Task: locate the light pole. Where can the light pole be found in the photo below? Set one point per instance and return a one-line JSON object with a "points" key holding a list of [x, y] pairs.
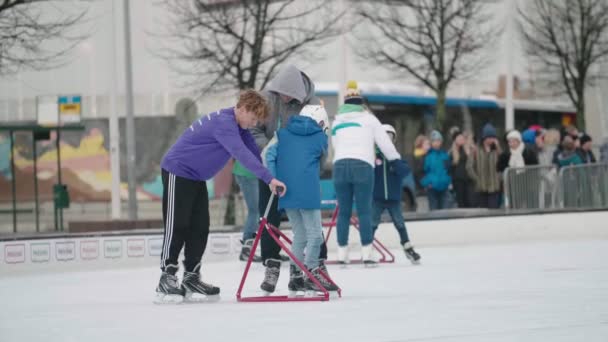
{"points": [[130, 129], [509, 107], [113, 120]]}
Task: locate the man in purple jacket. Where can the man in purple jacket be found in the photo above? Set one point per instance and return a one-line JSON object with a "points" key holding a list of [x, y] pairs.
{"points": [[200, 152]]}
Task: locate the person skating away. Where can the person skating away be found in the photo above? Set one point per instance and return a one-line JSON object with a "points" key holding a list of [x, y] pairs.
{"points": [[355, 133], [287, 93], [199, 153], [387, 195], [436, 173], [295, 157], [248, 183]]}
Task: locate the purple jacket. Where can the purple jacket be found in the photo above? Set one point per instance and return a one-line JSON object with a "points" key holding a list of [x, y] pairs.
{"points": [[206, 146]]}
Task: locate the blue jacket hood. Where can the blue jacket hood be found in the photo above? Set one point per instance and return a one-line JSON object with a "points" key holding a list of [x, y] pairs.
{"points": [[302, 125]]}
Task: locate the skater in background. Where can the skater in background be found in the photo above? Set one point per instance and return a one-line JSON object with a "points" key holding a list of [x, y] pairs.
{"points": [[199, 153], [355, 133], [387, 195], [249, 185], [287, 93], [296, 157], [436, 178]]}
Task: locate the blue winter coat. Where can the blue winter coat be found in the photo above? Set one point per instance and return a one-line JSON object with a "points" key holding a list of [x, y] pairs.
{"points": [[296, 159], [388, 178], [436, 166]]}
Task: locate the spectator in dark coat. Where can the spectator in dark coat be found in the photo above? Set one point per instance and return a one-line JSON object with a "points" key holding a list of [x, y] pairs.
{"points": [[586, 149]]}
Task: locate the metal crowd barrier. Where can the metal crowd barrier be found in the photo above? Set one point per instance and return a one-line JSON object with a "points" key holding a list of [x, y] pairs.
{"points": [[545, 187], [531, 187], [584, 186]]}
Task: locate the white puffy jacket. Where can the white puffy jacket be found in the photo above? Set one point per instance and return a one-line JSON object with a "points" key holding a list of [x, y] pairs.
{"points": [[356, 132]]}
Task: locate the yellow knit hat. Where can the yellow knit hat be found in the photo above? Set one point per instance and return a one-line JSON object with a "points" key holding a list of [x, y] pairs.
{"points": [[352, 95]]}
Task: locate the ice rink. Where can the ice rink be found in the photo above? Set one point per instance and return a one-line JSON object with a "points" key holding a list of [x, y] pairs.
{"points": [[528, 291]]}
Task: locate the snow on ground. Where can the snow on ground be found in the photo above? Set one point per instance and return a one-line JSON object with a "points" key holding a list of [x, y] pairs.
{"points": [[540, 291]]}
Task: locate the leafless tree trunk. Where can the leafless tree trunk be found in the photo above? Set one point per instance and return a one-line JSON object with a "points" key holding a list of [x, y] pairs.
{"points": [[28, 31], [435, 41], [240, 44], [566, 38]]}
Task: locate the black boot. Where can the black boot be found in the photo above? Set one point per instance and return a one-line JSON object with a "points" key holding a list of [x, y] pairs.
{"points": [[411, 254], [311, 286], [296, 279], [271, 276], [246, 250], [195, 289]]}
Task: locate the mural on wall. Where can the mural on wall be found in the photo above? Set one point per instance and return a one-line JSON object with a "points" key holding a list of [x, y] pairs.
{"points": [[85, 161]]}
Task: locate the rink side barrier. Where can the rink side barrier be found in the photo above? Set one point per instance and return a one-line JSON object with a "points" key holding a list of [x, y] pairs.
{"points": [[143, 248]]}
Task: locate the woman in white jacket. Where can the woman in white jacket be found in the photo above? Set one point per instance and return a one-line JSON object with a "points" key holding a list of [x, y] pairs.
{"points": [[355, 134]]}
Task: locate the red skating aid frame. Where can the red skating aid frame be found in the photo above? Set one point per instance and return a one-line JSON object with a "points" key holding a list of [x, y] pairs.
{"points": [[276, 235], [385, 254]]}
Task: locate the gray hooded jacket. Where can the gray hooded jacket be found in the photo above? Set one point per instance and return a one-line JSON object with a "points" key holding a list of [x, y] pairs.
{"points": [[291, 82]]}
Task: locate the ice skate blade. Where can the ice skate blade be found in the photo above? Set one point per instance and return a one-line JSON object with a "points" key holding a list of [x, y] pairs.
{"points": [[414, 262], [163, 299], [370, 264], [315, 293], [296, 294], [193, 297]]}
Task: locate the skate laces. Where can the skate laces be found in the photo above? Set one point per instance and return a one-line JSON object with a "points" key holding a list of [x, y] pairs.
{"points": [[171, 280]]}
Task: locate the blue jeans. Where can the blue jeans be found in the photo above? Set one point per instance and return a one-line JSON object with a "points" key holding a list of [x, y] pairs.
{"points": [[250, 188], [394, 209], [354, 178], [438, 199], [307, 234]]}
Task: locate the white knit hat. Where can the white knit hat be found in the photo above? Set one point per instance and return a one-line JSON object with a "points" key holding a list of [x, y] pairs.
{"points": [[514, 134]]}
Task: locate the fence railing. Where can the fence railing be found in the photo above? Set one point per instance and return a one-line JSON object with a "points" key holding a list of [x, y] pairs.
{"points": [[531, 187], [584, 186], [545, 187]]}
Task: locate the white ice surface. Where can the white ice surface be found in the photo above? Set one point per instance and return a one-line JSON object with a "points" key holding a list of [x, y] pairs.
{"points": [[541, 291]]}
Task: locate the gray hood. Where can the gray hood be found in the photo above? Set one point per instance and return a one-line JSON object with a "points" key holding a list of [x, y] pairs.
{"points": [[292, 82]]}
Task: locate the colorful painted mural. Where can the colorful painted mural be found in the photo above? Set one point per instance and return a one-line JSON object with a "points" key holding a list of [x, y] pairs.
{"points": [[85, 162]]}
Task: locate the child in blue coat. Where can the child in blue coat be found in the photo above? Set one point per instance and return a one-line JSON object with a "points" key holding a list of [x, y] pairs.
{"points": [[297, 155], [436, 178], [387, 195]]}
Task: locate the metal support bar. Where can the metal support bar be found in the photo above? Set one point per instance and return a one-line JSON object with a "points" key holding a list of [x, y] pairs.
{"points": [[13, 181]]}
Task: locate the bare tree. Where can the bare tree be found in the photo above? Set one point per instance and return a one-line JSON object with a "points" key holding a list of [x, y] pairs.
{"points": [[435, 41], [239, 44], [35, 34], [565, 38]]}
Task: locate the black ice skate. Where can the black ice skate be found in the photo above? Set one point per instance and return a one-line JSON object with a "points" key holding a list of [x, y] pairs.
{"points": [[411, 254], [271, 276], [168, 291], [311, 286], [296, 281], [195, 290], [246, 250]]}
